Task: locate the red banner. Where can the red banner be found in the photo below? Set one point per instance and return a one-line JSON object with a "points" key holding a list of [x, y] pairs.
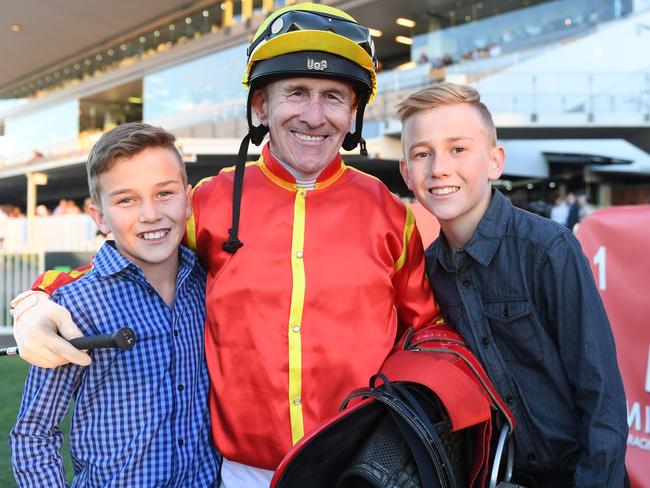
{"points": [[616, 241]]}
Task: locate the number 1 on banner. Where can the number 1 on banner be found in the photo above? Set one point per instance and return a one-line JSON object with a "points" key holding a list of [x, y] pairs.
{"points": [[600, 261]]}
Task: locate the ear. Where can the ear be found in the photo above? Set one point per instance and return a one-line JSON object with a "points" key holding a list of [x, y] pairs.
{"points": [[188, 202], [497, 163], [404, 170], [353, 121], [97, 215], [260, 106]]}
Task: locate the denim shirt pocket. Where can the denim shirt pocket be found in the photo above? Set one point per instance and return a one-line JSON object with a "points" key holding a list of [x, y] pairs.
{"points": [[513, 328]]}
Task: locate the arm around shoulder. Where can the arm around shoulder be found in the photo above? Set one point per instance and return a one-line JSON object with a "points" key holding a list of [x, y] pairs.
{"points": [[37, 320]]}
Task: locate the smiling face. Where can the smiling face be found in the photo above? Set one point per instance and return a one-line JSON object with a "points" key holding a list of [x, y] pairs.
{"points": [[145, 203], [308, 119], [449, 162]]}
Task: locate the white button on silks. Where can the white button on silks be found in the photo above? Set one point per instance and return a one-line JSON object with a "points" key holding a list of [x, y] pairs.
{"points": [[299, 254], [297, 401], [296, 328]]}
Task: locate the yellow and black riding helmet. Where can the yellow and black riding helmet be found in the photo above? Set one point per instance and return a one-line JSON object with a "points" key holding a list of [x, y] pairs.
{"points": [[305, 39], [310, 39]]}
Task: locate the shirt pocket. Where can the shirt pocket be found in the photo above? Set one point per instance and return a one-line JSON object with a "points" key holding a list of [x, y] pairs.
{"points": [[514, 329]]}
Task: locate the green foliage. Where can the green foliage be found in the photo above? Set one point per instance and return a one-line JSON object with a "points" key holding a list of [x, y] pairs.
{"points": [[12, 377]]}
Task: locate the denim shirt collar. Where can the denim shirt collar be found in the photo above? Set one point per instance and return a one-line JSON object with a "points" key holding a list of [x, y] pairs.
{"points": [[486, 238]]}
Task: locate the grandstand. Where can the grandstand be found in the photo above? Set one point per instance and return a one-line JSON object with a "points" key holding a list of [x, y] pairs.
{"points": [[567, 81]]}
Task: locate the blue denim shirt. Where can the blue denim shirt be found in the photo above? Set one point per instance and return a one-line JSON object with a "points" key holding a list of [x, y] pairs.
{"points": [[523, 296]]}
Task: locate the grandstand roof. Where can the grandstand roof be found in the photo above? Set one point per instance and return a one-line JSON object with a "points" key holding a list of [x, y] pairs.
{"points": [[54, 32]]}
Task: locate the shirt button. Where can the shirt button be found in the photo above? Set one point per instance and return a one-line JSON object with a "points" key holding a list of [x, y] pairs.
{"points": [[467, 283], [303, 193], [531, 456], [181, 387], [151, 291], [510, 400], [181, 442], [485, 341], [296, 328], [176, 333], [299, 254], [297, 401]]}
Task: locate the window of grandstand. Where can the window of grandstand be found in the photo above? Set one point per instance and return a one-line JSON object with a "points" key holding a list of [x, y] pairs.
{"points": [[104, 110], [469, 34], [197, 91], [55, 128]]}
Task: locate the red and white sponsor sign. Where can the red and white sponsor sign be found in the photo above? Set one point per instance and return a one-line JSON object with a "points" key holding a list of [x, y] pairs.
{"points": [[616, 241]]}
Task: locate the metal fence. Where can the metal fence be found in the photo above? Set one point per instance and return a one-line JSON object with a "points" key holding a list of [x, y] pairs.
{"points": [[17, 272]]}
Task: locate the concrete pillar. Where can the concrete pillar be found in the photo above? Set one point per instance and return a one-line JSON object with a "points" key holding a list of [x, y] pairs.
{"points": [[33, 180], [605, 195]]}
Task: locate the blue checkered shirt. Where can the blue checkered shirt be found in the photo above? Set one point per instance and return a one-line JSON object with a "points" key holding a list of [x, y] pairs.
{"points": [[141, 417]]}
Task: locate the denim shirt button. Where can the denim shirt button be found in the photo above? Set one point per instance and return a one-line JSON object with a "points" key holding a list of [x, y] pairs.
{"points": [[531, 456], [467, 283], [485, 341], [509, 400]]}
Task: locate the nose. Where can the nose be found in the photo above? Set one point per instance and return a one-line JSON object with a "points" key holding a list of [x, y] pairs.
{"points": [[313, 112], [149, 211], [439, 166]]}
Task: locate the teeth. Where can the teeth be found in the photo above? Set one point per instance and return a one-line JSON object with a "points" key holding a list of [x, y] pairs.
{"points": [[307, 137], [444, 191], [154, 235]]}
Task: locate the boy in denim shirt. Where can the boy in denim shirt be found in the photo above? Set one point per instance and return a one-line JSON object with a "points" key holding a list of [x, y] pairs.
{"points": [[519, 289]]}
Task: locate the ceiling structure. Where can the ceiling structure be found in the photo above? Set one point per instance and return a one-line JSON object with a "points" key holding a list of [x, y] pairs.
{"points": [[39, 36], [52, 32]]}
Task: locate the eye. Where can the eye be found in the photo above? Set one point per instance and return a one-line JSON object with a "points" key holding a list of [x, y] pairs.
{"points": [[296, 94], [165, 193], [125, 201], [458, 149], [421, 155]]}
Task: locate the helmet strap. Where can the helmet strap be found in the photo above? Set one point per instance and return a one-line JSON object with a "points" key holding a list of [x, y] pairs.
{"points": [[352, 139], [233, 243], [258, 132]]}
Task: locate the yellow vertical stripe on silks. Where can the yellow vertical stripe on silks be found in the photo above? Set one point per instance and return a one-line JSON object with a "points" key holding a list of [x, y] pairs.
{"points": [[190, 233], [295, 318], [406, 238], [190, 225]]}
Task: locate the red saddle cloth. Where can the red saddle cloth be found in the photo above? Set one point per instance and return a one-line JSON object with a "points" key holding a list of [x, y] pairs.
{"points": [[434, 363]]}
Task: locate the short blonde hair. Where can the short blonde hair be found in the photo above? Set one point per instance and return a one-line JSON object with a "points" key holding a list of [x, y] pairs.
{"points": [[447, 93]]}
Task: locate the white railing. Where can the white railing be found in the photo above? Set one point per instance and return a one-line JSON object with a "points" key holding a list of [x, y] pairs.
{"points": [[54, 233], [17, 272]]}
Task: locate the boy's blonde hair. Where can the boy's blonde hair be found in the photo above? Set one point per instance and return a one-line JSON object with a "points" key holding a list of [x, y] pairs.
{"points": [[447, 93], [126, 140]]}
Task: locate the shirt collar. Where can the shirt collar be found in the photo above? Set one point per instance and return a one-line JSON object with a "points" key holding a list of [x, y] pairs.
{"points": [[108, 261], [277, 173], [486, 238]]}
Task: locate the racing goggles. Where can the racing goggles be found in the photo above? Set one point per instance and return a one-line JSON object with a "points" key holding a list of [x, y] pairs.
{"points": [[297, 20]]}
